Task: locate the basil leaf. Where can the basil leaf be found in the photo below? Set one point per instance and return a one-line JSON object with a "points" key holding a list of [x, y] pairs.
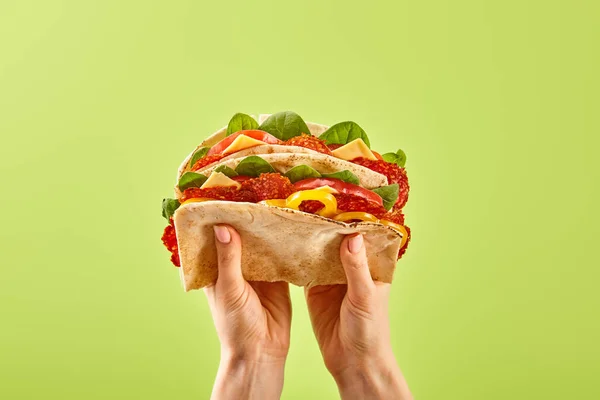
{"points": [[168, 208], [389, 194], [253, 166], [240, 122], [398, 158], [344, 133], [285, 125], [345, 176], [224, 169], [190, 180], [300, 172], [198, 154]]}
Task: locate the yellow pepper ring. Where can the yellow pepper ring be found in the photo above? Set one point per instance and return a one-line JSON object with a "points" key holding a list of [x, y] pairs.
{"points": [[363, 216], [398, 228], [327, 199], [195, 200]]}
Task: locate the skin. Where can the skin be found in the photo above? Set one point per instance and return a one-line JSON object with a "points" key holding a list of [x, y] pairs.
{"points": [[350, 322]]}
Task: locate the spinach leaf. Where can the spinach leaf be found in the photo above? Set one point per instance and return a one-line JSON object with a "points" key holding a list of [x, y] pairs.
{"points": [[389, 194], [190, 180], [345, 176], [253, 166], [240, 122], [198, 154], [168, 208], [344, 133], [300, 172], [224, 169], [285, 125], [398, 158]]}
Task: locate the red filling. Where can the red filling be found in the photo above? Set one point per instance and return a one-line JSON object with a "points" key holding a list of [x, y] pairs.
{"points": [[206, 161], [309, 142], [269, 187], [394, 174], [169, 239], [275, 186]]}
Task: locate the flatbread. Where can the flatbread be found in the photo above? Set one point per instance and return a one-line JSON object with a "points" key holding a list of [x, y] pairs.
{"points": [[277, 244], [325, 164]]}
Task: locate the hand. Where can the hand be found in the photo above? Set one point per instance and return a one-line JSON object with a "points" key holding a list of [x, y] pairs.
{"points": [[253, 322], [352, 328]]}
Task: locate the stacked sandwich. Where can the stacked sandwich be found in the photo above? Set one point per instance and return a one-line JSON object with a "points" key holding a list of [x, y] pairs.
{"points": [[292, 189]]}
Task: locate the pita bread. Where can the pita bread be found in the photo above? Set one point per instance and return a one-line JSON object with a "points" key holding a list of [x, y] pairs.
{"points": [[283, 162], [277, 244]]}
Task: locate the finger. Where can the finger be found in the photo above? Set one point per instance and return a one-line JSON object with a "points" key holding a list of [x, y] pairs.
{"points": [[229, 255], [354, 260]]}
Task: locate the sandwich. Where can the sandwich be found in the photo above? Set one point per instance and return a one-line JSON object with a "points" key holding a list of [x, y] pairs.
{"points": [[292, 190]]}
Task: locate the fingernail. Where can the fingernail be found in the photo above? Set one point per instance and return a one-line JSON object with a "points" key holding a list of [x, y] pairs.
{"points": [[222, 234], [355, 243]]}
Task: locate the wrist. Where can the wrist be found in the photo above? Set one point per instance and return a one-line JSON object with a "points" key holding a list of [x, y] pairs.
{"points": [[249, 377], [236, 361], [253, 356], [372, 378]]}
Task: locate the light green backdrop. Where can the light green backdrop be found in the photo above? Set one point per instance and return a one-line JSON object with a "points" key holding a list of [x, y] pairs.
{"points": [[495, 104]]}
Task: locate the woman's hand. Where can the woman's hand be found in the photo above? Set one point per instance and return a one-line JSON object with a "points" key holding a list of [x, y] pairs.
{"points": [[253, 322], [352, 328]]}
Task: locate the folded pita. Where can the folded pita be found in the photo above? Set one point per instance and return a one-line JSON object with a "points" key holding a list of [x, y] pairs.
{"points": [[277, 244]]}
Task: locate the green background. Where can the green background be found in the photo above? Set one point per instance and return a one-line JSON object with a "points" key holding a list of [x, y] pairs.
{"points": [[495, 104]]}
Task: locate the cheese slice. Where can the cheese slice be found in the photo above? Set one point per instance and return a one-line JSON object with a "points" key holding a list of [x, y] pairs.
{"points": [[219, 179], [242, 142], [355, 149]]}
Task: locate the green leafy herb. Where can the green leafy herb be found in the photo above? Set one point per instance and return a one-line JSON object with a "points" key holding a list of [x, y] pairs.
{"points": [[398, 158], [389, 194], [300, 172], [224, 169], [253, 166], [198, 154], [190, 180], [345, 176], [285, 125], [168, 208], [344, 133], [240, 122]]}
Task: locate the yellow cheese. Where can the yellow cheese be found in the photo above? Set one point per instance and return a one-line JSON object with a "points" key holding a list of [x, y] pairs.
{"points": [[219, 179], [240, 143], [355, 149]]}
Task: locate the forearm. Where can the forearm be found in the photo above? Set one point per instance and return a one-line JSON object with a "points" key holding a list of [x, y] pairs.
{"points": [[373, 380], [240, 378]]}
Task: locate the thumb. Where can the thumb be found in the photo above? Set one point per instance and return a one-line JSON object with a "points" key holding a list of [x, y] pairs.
{"points": [[229, 255], [354, 260]]}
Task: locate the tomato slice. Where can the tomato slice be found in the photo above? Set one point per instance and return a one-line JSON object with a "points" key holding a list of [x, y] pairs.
{"points": [[377, 155], [340, 186], [254, 134]]}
